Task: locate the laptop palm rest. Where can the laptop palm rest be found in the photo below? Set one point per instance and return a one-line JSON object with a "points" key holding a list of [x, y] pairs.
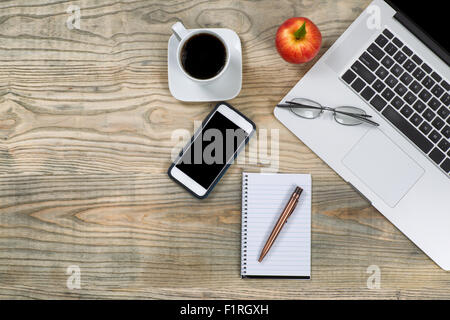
{"points": [[382, 166]]}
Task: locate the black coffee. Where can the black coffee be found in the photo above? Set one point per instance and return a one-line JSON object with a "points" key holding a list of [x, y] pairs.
{"points": [[203, 56]]}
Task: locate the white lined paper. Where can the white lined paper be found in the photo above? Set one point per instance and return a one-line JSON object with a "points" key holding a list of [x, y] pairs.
{"points": [[264, 197]]}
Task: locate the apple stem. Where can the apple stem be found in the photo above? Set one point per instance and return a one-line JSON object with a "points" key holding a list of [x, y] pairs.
{"points": [[301, 32]]}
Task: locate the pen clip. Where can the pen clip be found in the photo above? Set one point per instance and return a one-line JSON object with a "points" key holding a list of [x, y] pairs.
{"points": [[297, 193], [292, 210], [289, 214]]}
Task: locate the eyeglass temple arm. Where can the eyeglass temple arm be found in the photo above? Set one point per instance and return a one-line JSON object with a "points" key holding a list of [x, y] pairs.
{"points": [[292, 104], [352, 114], [359, 117]]}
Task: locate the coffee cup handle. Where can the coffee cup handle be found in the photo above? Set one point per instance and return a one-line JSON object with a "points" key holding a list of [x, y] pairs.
{"points": [[179, 30]]}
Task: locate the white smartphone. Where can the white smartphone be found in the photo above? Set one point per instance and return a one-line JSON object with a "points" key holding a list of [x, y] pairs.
{"points": [[212, 149]]}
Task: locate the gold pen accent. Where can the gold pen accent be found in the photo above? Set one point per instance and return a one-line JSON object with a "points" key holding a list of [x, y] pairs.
{"points": [[290, 207]]}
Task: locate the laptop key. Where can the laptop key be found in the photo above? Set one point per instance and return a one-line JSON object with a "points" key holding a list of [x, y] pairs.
{"points": [[378, 85], [400, 57], [445, 99], [428, 114], [387, 62], [426, 68], [382, 72], [407, 129], [435, 136], [438, 123], [437, 90], [444, 145], [363, 72], [436, 77], [415, 87], [446, 165], [434, 103], [400, 89], [397, 103], [390, 49], [378, 103], [409, 65], [443, 112], [358, 84], [397, 70], [445, 85], [416, 59], [418, 74], [416, 119], [425, 128], [388, 34], [437, 156], [381, 40], [370, 62], [410, 98], [375, 51], [397, 42], [367, 93], [349, 76], [407, 51], [406, 78], [424, 95], [428, 82], [446, 132], [388, 94], [419, 106], [391, 81], [406, 111]]}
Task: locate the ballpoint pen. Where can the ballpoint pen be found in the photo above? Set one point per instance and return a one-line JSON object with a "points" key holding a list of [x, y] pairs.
{"points": [[290, 207]]}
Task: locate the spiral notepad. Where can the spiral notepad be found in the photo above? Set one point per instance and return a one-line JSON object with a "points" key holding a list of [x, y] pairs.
{"points": [[264, 197]]}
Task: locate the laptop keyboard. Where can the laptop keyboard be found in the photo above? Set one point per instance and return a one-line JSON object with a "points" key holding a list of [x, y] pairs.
{"points": [[407, 92]]}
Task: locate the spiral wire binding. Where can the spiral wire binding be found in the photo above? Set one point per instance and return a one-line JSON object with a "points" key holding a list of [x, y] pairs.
{"points": [[244, 226]]}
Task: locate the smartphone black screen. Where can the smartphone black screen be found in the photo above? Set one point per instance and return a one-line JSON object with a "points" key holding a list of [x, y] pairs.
{"points": [[212, 149]]}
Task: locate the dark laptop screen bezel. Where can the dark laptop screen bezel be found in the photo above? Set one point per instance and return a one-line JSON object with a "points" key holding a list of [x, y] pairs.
{"points": [[420, 33]]}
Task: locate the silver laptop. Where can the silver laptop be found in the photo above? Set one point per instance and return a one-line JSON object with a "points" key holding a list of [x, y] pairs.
{"points": [[392, 65]]}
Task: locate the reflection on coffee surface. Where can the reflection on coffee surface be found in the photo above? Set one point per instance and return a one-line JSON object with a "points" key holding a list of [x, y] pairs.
{"points": [[203, 56]]}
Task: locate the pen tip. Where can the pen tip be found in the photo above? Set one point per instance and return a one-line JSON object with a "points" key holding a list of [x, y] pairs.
{"points": [[298, 190], [261, 257]]}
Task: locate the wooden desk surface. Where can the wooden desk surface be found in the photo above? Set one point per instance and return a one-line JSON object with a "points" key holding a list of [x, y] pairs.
{"points": [[86, 124]]}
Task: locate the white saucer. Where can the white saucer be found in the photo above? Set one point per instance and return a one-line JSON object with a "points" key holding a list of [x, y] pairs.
{"points": [[226, 87]]}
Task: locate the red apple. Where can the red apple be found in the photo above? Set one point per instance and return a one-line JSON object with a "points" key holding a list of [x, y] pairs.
{"points": [[298, 40]]}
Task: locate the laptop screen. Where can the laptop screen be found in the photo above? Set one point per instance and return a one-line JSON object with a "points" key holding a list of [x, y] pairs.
{"points": [[431, 18]]}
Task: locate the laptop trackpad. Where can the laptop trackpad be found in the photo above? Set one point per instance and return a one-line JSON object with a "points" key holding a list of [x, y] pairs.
{"points": [[381, 165]]}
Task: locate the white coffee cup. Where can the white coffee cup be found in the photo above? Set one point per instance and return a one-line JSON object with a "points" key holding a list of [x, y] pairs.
{"points": [[183, 36]]}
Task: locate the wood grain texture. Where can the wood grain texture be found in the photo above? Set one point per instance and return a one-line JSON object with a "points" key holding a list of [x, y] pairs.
{"points": [[86, 124]]}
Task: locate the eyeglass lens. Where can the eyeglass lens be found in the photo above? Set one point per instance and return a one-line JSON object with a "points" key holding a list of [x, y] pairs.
{"points": [[301, 108]]}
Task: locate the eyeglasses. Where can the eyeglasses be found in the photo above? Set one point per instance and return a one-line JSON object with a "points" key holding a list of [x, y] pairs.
{"points": [[308, 109]]}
